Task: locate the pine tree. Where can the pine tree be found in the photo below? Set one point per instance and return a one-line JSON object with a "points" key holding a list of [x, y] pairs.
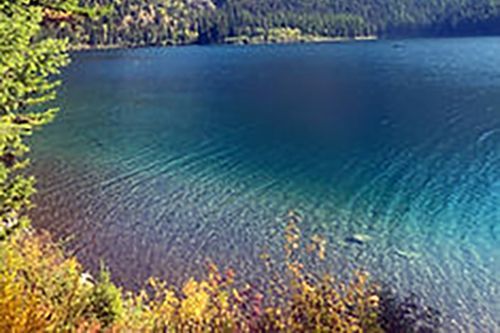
{"points": [[28, 65]]}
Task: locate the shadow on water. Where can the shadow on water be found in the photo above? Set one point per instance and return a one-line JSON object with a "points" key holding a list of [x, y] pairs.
{"points": [[408, 314]]}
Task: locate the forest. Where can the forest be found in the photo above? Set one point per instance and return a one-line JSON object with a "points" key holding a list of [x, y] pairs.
{"points": [[124, 23]]}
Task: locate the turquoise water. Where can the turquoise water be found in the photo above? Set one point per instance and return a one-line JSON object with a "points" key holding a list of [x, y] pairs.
{"points": [[163, 158]]}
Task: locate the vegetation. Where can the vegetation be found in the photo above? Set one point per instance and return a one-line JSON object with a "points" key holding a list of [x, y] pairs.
{"points": [[43, 290], [167, 22], [40, 289], [275, 35], [350, 18], [132, 23], [27, 67]]}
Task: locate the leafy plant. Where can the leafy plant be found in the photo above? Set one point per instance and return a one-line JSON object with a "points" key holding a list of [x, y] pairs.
{"points": [[27, 67], [40, 289], [43, 290], [106, 304]]}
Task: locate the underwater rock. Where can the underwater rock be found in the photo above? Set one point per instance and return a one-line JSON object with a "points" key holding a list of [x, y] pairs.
{"points": [[358, 239], [407, 254], [408, 314]]}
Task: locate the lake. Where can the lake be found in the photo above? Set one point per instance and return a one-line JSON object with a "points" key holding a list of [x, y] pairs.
{"points": [[164, 157]]}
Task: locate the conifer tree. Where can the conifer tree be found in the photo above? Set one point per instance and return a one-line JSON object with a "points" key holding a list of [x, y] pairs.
{"points": [[28, 67]]}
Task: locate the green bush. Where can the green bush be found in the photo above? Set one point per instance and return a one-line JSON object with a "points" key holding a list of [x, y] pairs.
{"points": [[106, 304]]}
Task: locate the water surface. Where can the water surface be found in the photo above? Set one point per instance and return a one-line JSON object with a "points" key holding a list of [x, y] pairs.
{"points": [[162, 158]]}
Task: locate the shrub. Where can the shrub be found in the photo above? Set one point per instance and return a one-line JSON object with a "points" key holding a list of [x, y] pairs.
{"points": [[318, 304], [42, 290], [106, 304], [299, 303]]}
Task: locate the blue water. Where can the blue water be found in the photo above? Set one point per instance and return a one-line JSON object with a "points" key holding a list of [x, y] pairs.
{"points": [[162, 158]]}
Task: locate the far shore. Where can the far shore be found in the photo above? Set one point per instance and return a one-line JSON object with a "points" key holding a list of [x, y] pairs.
{"points": [[312, 39]]}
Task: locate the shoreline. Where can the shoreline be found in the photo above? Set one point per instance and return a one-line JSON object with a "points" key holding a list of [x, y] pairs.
{"points": [[83, 48], [313, 40]]}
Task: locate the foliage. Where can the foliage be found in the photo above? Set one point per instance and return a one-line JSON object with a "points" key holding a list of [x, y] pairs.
{"points": [[106, 304], [299, 303], [351, 18], [27, 65], [275, 35], [166, 22], [318, 304], [41, 289], [133, 23]]}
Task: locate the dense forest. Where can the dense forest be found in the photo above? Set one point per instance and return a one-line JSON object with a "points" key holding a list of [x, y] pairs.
{"points": [[170, 22]]}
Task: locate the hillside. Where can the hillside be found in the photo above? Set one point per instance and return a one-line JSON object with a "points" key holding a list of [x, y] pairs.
{"points": [[167, 22]]}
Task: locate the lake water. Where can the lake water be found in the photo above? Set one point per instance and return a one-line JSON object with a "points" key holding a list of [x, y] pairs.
{"points": [[162, 158]]}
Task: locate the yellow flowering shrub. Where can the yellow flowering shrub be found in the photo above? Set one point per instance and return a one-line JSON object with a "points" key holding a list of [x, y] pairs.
{"points": [[41, 290], [299, 303], [313, 304], [202, 306]]}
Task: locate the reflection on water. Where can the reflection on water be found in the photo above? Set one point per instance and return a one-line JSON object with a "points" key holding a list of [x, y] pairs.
{"points": [[165, 157]]}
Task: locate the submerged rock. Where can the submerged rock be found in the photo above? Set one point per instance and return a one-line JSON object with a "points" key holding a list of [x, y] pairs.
{"points": [[358, 239], [408, 313], [407, 254]]}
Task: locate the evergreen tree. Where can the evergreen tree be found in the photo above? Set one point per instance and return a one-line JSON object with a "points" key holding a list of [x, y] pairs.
{"points": [[165, 22], [27, 67]]}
